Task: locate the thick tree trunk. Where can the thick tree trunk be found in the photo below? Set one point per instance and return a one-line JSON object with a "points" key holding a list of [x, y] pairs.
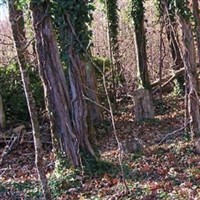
{"points": [[17, 25], [54, 83], [113, 30], [95, 112], [170, 26], [77, 83], [190, 66], [195, 6], [2, 114], [143, 108], [140, 44]]}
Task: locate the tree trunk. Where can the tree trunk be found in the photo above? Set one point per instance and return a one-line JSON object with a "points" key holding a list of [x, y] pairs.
{"points": [[195, 6], [191, 73], [113, 31], [54, 83], [170, 26], [2, 114], [17, 25], [143, 108], [77, 82], [140, 43], [95, 112]]}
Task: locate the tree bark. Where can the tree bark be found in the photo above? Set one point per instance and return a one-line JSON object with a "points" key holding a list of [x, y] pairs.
{"points": [[113, 44], [17, 25], [191, 73], [77, 81], [140, 44], [143, 108], [166, 80], [95, 112], [170, 26], [2, 114], [195, 6], [54, 83]]}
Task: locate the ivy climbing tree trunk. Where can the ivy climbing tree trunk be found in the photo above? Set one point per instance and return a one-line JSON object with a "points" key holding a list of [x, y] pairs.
{"points": [[54, 83], [74, 39], [17, 25], [191, 73], [195, 6], [140, 43], [113, 29], [77, 83]]}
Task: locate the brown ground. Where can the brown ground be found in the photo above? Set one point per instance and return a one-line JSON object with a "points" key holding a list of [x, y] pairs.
{"points": [[168, 171]]}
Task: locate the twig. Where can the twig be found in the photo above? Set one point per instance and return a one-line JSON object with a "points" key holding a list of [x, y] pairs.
{"points": [[173, 133], [115, 131], [94, 102], [8, 147], [4, 170]]}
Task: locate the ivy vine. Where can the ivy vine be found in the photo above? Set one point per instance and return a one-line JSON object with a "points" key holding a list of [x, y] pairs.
{"points": [[80, 13], [182, 8], [113, 20], [137, 12], [179, 7]]}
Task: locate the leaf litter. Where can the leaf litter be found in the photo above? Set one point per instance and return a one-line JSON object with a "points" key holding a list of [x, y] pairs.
{"points": [[167, 171]]}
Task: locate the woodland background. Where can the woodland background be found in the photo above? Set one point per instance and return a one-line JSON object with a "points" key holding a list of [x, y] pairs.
{"points": [[100, 100]]}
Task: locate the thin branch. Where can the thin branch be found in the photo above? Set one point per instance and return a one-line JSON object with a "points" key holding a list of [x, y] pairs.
{"points": [[94, 102], [4, 170], [173, 133], [115, 132]]}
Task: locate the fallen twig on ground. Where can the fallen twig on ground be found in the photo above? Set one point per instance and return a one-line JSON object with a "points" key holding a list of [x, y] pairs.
{"points": [[173, 133]]}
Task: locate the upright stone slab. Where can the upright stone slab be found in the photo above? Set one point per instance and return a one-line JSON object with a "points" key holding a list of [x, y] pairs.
{"points": [[2, 114], [143, 108]]}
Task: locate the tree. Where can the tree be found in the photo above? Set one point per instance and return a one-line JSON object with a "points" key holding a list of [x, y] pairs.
{"points": [[65, 103], [54, 83], [189, 59], [137, 14], [113, 29], [74, 39], [77, 73], [95, 112], [171, 30], [2, 114], [195, 6], [18, 31]]}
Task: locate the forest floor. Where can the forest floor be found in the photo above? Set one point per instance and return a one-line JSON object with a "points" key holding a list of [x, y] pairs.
{"points": [[167, 171]]}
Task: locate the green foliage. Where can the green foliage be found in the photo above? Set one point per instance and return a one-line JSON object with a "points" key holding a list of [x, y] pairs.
{"points": [[30, 190], [79, 13], [12, 92], [61, 182], [137, 12], [93, 167], [113, 20], [64, 177], [160, 5], [101, 62], [180, 7], [113, 30]]}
